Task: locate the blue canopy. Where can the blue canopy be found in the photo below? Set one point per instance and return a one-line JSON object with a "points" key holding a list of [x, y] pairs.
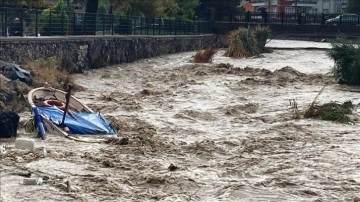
{"points": [[78, 122]]}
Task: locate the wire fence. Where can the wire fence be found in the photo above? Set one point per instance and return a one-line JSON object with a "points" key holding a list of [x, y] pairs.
{"points": [[33, 22]]}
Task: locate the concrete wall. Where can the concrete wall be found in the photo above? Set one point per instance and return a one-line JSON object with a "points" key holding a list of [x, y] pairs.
{"points": [[88, 52]]}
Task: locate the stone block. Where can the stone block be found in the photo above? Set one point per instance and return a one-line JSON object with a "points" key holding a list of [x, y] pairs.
{"points": [[24, 144]]}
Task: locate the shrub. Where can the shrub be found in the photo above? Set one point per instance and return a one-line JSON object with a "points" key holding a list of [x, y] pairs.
{"points": [[205, 56], [241, 43], [261, 35], [54, 20], [247, 42], [49, 71], [346, 55], [331, 111]]}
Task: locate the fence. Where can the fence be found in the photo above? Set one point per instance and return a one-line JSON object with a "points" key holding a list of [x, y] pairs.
{"points": [[282, 18], [33, 22]]}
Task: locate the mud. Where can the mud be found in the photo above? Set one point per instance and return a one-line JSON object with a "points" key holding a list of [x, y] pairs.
{"points": [[200, 132]]}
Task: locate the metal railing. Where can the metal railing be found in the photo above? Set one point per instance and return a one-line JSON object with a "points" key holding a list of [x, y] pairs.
{"points": [[33, 22], [284, 18]]}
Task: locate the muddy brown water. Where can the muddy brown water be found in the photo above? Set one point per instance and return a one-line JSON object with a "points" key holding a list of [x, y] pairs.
{"points": [[201, 132]]}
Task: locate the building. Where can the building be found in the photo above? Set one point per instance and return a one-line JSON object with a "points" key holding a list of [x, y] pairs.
{"points": [[308, 6]]}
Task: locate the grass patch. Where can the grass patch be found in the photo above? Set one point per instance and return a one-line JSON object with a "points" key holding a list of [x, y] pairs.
{"points": [[49, 71], [205, 56], [52, 72], [331, 111]]}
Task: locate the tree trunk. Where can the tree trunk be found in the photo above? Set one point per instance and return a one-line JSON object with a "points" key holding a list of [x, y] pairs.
{"points": [[90, 17]]}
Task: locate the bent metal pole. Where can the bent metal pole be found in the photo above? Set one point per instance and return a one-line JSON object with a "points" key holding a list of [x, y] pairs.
{"points": [[67, 97]]}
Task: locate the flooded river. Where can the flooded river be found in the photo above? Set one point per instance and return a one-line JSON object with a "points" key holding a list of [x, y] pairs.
{"points": [[203, 132]]}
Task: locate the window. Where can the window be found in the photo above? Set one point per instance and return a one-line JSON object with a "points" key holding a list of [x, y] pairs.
{"points": [[314, 10], [289, 10]]}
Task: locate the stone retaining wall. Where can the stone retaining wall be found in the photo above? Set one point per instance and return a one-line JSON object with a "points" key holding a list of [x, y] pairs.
{"points": [[88, 52]]}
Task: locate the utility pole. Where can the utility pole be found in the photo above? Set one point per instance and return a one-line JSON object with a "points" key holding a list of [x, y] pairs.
{"points": [[296, 10]]}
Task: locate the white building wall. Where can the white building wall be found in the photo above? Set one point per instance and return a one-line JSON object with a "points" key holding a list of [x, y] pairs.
{"points": [[331, 6], [321, 6]]}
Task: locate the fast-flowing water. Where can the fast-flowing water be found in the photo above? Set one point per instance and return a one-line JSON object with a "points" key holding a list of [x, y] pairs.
{"points": [[223, 131]]}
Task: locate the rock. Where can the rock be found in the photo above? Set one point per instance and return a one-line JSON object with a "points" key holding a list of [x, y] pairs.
{"points": [[33, 181], [14, 72], [24, 144], [6, 95], [172, 167], [3, 78], [9, 122], [56, 155]]}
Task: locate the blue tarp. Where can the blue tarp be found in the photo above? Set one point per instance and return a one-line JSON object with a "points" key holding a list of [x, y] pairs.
{"points": [[79, 122]]}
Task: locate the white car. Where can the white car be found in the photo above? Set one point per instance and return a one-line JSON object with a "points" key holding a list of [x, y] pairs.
{"points": [[344, 19]]}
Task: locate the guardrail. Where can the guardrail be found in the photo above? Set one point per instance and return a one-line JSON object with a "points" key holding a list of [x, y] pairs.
{"points": [[33, 22]]}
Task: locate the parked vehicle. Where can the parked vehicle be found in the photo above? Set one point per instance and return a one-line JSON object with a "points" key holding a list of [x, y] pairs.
{"points": [[344, 19]]}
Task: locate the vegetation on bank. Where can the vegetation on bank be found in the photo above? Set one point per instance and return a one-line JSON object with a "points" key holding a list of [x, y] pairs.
{"points": [[205, 56], [44, 72], [346, 70], [247, 42], [346, 55]]}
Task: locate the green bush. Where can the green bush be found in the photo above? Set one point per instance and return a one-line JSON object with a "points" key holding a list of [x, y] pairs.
{"points": [[331, 111], [346, 55], [261, 35], [247, 42], [54, 21]]}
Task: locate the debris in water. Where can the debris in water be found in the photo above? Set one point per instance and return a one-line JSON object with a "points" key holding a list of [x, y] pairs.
{"points": [[173, 167]]}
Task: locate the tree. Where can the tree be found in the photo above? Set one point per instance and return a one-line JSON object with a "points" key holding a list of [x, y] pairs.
{"points": [[187, 8], [353, 6], [184, 9], [218, 9], [346, 54], [90, 16], [54, 20]]}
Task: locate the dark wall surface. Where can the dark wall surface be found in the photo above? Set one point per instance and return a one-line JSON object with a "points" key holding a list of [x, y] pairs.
{"points": [[89, 52]]}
